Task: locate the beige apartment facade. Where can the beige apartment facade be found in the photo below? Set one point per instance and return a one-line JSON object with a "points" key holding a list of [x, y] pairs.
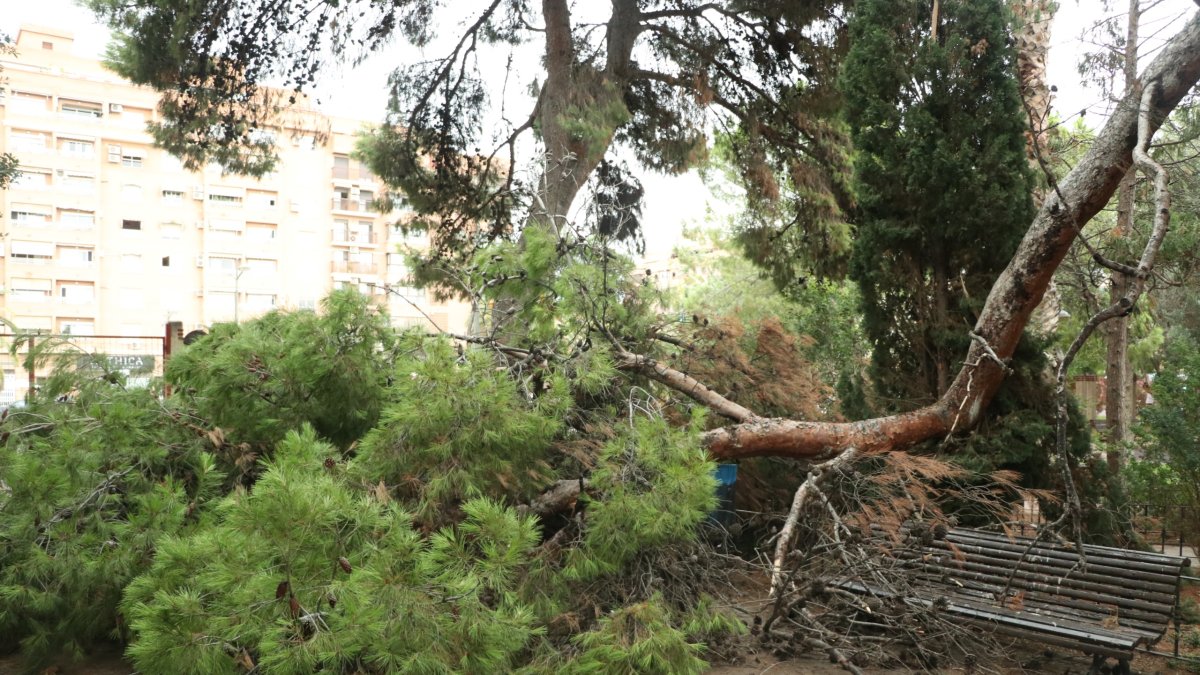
{"points": [[104, 234]]}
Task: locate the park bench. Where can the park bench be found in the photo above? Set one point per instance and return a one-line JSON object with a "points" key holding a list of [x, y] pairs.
{"points": [[1123, 600]]}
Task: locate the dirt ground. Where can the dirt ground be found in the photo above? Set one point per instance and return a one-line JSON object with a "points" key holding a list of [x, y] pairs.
{"points": [[1025, 660], [1058, 664]]}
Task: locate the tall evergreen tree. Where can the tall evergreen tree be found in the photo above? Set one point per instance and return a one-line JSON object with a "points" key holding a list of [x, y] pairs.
{"points": [[944, 190], [943, 184]]}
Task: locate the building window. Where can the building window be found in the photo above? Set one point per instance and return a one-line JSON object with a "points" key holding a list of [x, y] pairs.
{"points": [[32, 252], [31, 179], [131, 161], [74, 148], [222, 266], [166, 261], [341, 166], [260, 302], [171, 230], [89, 111], [131, 262], [28, 141], [30, 218], [30, 289], [262, 200], [77, 293], [131, 193], [83, 327], [226, 224], [76, 220], [79, 182], [225, 199], [131, 224], [260, 233], [76, 256], [29, 103], [172, 196]]}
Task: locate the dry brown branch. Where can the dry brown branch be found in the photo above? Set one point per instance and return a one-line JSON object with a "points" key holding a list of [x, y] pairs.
{"points": [[810, 487]]}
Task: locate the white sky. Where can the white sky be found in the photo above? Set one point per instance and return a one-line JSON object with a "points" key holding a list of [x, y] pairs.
{"points": [[672, 202]]}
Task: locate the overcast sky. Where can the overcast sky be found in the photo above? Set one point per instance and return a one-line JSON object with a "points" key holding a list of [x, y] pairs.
{"points": [[671, 202]]}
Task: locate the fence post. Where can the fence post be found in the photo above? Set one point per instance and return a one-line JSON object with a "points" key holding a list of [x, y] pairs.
{"points": [[172, 341], [32, 368]]}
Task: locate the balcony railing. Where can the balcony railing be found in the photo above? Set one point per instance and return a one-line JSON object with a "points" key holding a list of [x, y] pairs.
{"points": [[356, 205], [341, 236], [358, 174], [349, 267]]}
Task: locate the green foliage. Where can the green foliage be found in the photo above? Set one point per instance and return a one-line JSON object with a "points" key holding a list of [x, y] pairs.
{"points": [[90, 485], [304, 573], [259, 379], [656, 486], [1170, 427], [720, 281], [941, 178], [637, 640], [385, 531], [457, 427], [944, 198]]}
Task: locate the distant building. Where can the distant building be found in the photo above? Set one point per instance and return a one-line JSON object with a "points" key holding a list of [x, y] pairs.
{"points": [[104, 234]]}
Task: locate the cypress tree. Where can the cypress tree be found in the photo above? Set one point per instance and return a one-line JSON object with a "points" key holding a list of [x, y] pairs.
{"points": [[944, 197], [942, 180]]}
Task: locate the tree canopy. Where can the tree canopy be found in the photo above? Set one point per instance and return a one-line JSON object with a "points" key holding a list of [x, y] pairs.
{"points": [[646, 77]]}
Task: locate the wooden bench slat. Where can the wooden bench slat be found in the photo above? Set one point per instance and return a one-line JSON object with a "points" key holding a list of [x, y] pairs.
{"points": [[1122, 600], [1070, 633], [1096, 615], [1097, 572], [1024, 577], [1145, 562]]}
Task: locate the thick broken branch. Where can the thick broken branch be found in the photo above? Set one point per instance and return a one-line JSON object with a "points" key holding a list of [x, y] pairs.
{"points": [[811, 486], [1016, 292], [684, 384], [559, 497]]}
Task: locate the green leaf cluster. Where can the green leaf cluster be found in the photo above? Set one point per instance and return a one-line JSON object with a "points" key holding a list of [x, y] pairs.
{"points": [[259, 379], [656, 487], [1170, 427], [89, 486], [637, 640], [303, 573], [457, 427]]}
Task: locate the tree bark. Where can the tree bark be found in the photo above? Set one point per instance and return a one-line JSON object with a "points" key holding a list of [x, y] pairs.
{"points": [[573, 89], [1017, 291], [1117, 403], [1032, 34]]}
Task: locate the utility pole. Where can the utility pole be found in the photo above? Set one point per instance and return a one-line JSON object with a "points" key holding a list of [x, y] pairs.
{"points": [[237, 292]]}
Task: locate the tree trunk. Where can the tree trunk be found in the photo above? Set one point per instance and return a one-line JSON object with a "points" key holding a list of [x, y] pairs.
{"points": [[1015, 294], [1118, 404], [578, 95], [1032, 35], [941, 322]]}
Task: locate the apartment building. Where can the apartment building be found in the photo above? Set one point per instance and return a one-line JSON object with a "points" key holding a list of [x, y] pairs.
{"points": [[104, 234]]}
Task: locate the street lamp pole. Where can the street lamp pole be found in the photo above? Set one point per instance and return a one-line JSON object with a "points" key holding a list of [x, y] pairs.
{"points": [[237, 293]]}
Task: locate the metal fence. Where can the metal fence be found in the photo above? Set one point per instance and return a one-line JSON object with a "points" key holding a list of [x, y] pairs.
{"points": [[1169, 528], [138, 357]]}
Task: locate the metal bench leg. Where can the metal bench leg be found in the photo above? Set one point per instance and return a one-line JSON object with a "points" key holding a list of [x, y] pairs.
{"points": [[1097, 665], [1123, 667]]}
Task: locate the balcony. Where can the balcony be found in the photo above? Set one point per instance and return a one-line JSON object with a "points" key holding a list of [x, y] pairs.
{"points": [[358, 174], [354, 237], [350, 267]]}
